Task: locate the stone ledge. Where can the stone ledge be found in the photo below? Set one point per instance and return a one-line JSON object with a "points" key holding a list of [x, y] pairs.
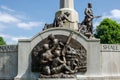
{"points": [[57, 79], [98, 77]]}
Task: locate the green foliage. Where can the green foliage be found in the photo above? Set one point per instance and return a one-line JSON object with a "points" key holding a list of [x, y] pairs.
{"points": [[108, 31], [2, 42]]}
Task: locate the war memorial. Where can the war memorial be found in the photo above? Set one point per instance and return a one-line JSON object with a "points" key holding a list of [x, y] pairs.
{"points": [[65, 50]]}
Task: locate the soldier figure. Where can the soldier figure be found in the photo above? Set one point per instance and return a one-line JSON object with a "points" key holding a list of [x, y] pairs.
{"points": [[46, 59], [59, 66], [88, 19]]}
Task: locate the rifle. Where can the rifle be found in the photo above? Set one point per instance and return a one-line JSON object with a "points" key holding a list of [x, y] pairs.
{"points": [[97, 16], [66, 44]]}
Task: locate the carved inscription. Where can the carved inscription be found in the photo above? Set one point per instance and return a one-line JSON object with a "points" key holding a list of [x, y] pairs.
{"points": [[8, 48], [110, 47]]}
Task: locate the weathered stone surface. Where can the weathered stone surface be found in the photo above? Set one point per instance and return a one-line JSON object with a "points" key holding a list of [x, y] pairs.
{"points": [[8, 61], [8, 48], [58, 79], [67, 4], [110, 59]]}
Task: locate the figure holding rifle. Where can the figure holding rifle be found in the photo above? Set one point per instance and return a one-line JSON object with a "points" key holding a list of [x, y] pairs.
{"points": [[88, 20]]}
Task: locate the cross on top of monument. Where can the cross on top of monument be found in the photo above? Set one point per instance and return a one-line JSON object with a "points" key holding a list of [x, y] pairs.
{"points": [[67, 4]]}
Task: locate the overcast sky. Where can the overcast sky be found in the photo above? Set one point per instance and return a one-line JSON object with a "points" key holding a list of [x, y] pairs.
{"points": [[25, 18]]}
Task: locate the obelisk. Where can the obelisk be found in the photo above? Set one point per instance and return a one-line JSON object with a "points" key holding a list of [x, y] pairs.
{"points": [[68, 6]]}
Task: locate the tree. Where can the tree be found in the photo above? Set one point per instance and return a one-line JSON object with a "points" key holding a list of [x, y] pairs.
{"points": [[2, 42], [108, 31]]}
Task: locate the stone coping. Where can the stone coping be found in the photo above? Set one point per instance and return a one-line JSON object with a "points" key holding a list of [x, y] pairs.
{"points": [[61, 29]]}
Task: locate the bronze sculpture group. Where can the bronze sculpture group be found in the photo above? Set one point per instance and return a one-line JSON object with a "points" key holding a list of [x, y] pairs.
{"points": [[59, 21], [56, 58], [85, 27], [53, 60]]}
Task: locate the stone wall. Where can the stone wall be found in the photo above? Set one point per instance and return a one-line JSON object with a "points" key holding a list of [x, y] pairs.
{"points": [[110, 62], [110, 59], [8, 62]]}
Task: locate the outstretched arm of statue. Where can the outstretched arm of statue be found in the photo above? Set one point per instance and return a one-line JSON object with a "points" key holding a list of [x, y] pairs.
{"points": [[64, 59], [68, 19]]}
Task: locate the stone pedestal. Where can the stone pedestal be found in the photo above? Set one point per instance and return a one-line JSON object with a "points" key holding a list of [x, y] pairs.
{"points": [[68, 6], [73, 17]]}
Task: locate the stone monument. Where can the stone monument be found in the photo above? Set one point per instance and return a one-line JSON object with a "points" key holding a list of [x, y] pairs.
{"points": [[60, 50], [64, 50]]}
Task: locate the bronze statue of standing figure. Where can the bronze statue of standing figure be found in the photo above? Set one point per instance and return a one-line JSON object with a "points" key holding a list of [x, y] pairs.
{"points": [[86, 27], [88, 19]]}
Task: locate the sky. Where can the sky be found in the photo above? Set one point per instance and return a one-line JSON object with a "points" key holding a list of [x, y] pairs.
{"points": [[22, 19]]}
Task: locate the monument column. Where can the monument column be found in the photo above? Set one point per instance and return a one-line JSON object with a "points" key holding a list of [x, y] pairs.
{"points": [[68, 6]]}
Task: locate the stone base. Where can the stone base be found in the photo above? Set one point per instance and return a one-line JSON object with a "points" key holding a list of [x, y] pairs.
{"points": [[98, 77], [78, 77], [57, 76], [85, 78], [57, 79]]}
